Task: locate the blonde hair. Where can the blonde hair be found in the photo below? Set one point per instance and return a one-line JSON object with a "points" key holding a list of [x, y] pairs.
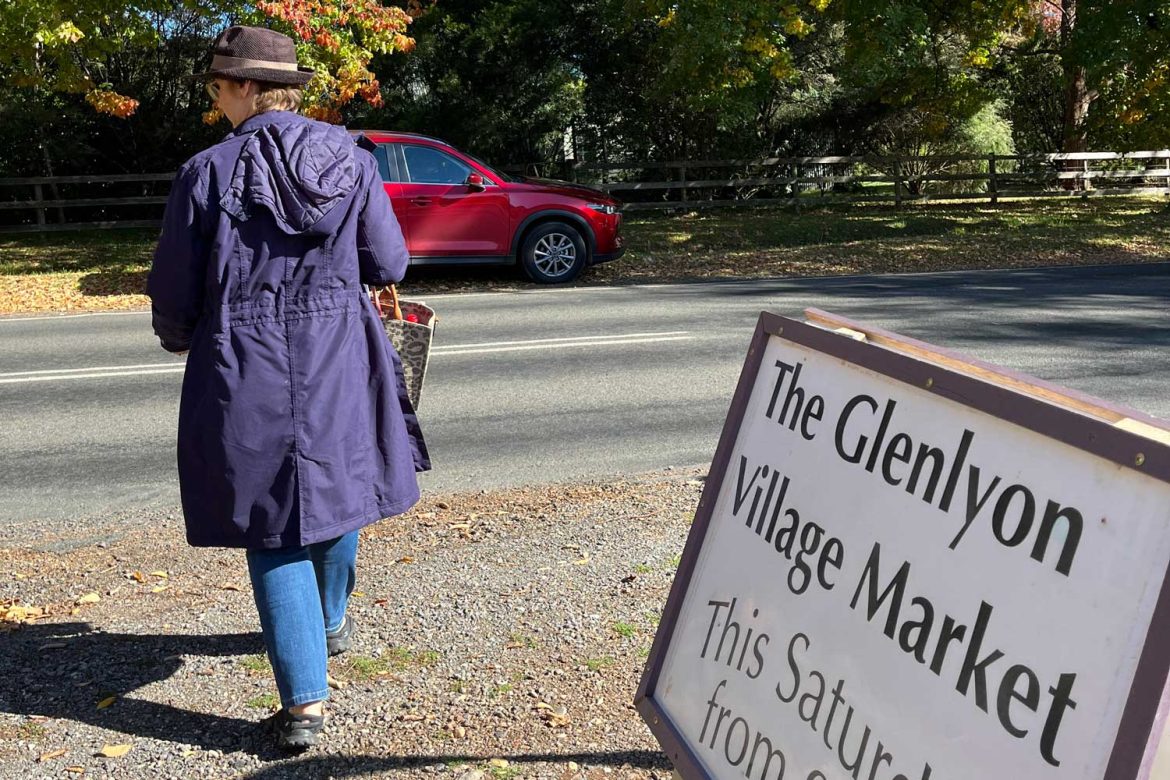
{"points": [[277, 97]]}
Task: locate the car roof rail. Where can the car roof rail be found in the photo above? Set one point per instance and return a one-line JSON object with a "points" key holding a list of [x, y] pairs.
{"points": [[401, 133]]}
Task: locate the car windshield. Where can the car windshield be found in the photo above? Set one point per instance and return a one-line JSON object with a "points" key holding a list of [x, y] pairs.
{"points": [[493, 171]]}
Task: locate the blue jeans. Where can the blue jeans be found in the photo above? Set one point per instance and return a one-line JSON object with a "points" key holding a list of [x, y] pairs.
{"points": [[301, 593]]}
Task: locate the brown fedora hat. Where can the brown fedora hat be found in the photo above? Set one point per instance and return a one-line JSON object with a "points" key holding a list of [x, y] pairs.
{"points": [[256, 53]]}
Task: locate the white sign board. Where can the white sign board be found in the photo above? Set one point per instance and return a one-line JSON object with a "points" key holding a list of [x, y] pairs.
{"points": [[888, 580]]}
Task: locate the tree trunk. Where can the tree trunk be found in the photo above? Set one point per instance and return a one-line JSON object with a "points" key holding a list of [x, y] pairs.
{"points": [[1077, 97]]}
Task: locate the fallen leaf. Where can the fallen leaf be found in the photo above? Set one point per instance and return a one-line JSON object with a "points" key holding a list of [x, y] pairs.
{"points": [[406, 559], [442, 505], [52, 754], [137, 576], [358, 593], [106, 702], [159, 588], [583, 561], [89, 598], [115, 751], [11, 612], [333, 682], [499, 763], [77, 770], [162, 575], [229, 586], [188, 753], [556, 717], [52, 646]]}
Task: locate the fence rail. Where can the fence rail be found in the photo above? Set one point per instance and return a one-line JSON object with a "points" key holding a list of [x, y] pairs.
{"points": [[128, 200]]}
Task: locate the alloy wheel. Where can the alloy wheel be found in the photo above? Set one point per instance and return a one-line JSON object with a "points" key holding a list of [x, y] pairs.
{"points": [[555, 254]]}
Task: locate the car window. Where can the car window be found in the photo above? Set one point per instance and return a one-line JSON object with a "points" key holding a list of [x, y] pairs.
{"points": [[382, 155], [427, 165], [493, 171]]}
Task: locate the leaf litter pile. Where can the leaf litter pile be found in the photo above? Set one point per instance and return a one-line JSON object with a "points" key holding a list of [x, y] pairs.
{"points": [[500, 634], [106, 270]]}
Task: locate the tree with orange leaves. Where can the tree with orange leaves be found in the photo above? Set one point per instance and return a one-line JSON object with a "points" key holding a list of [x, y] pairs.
{"points": [[59, 45]]}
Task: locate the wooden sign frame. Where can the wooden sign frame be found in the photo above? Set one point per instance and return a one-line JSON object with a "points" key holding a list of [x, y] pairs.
{"points": [[1114, 433]]}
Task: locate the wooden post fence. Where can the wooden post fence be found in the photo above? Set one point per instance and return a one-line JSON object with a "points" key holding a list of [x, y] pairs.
{"points": [[992, 184], [1027, 176]]}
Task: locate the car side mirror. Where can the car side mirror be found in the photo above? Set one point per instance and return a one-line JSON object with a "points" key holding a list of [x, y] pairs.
{"points": [[475, 182]]}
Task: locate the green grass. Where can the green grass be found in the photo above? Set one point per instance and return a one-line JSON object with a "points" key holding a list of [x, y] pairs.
{"points": [[768, 241], [31, 732], [522, 640], [363, 667], [427, 658], [395, 659], [624, 629], [257, 664], [88, 251], [642, 568], [265, 701], [93, 270], [597, 664]]}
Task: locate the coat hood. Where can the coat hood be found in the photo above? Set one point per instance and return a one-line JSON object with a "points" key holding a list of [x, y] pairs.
{"points": [[297, 169]]}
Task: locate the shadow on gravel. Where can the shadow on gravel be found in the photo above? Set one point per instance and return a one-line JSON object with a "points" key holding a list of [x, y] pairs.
{"points": [[348, 766], [64, 670]]}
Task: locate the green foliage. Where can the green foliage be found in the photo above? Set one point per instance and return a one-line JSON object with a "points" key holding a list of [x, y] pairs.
{"points": [[1033, 82], [592, 80], [916, 134], [496, 78], [1124, 46], [923, 66]]}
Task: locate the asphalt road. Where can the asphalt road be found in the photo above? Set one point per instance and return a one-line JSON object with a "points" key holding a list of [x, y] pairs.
{"points": [[561, 384]]}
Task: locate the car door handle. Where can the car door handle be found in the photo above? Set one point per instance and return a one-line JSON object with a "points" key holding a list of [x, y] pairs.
{"points": [[421, 201]]}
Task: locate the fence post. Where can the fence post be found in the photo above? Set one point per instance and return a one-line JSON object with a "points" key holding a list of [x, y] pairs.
{"points": [[898, 184], [992, 185], [39, 194], [1086, 179], [1168, 175], [682, 180], [796, 175]]}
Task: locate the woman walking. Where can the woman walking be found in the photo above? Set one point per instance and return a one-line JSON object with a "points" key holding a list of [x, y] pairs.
{"points": [[294, 426]]}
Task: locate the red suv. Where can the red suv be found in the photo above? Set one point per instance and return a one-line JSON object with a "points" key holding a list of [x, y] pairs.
{"points": [[454, 208]]}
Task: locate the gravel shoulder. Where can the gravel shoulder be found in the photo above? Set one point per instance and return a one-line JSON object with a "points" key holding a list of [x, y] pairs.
{"points": [[501, 635]]}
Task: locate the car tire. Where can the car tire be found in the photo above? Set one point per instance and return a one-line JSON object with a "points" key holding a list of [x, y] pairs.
{"points": [[553, 253]]}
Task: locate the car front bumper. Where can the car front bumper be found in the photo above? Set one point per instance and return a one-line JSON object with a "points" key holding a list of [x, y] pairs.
{"points": [[610, 256]]}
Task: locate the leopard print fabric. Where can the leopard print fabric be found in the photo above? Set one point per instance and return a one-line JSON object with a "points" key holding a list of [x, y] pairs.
{"points": [[412, 341]]}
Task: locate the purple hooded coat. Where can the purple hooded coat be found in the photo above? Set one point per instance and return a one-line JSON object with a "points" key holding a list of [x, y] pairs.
{"points": [[294, 425]]}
